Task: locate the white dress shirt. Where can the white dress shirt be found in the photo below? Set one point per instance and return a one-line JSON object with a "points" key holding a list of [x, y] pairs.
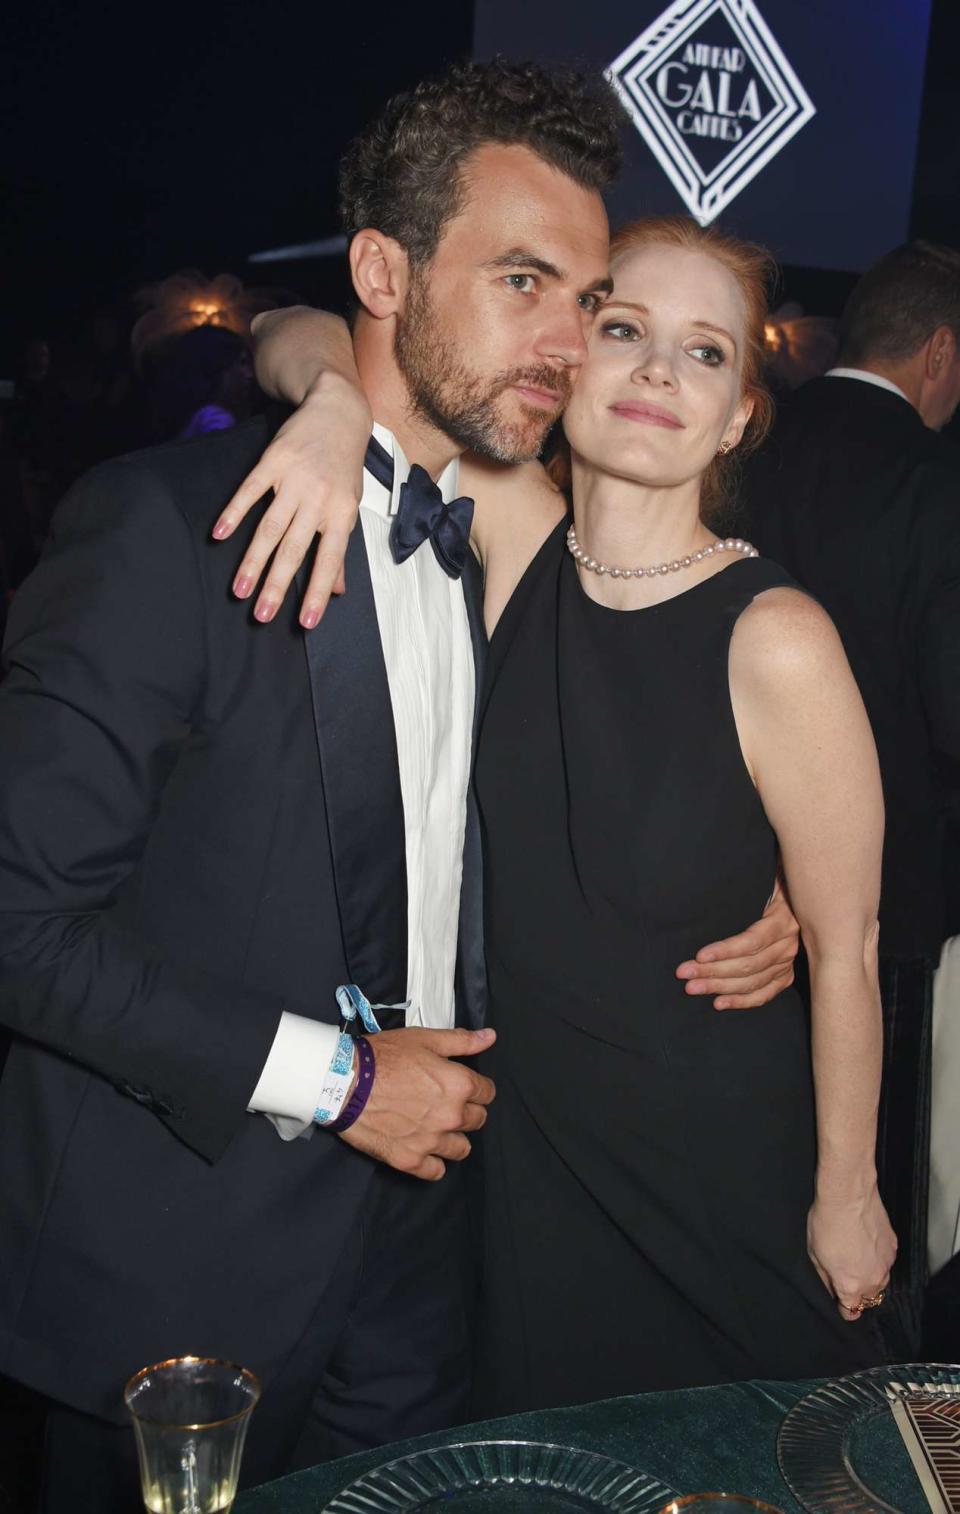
{"points": [[866, 377], [428, 655]]}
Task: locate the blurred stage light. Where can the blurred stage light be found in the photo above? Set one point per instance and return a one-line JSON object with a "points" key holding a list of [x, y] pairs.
{"points": [[326, 247]]}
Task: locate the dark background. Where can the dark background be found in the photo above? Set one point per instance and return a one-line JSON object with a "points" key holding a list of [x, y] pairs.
{"points": [[140, 141]]}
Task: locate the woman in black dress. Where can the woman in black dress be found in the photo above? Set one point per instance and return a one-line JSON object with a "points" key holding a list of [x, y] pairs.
{"points": [[673, 1196], [647, 741]]}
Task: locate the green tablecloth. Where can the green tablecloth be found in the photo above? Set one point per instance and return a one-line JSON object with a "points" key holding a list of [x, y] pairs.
{"points": [[696, 1440]]}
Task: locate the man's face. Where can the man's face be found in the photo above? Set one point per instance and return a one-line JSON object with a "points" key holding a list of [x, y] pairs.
{"points": [[494, 327]]}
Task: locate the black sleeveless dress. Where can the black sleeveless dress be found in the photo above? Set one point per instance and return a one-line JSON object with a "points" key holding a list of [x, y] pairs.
{"points": [[649, 1161]]}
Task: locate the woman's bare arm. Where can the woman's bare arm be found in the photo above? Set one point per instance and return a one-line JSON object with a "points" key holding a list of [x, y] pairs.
{"points": [[314, 464], [297, 348], [808, 743]]}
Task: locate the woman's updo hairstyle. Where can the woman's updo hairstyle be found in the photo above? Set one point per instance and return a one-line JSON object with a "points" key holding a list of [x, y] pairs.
{"points": [[755, 272]]}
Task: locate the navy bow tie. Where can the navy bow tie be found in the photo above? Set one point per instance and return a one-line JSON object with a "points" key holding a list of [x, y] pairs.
{"points": [[422, 514]]}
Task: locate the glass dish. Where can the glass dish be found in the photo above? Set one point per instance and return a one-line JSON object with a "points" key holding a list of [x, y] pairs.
{"points": [[830, 1442], [502, 1477]]}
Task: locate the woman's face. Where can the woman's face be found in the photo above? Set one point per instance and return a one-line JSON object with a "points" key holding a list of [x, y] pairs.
{"points": [[660, 390]]}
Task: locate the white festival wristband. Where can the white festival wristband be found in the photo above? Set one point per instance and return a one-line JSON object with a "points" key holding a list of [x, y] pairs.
{"points": [[336, 1083], [354, 1006]]}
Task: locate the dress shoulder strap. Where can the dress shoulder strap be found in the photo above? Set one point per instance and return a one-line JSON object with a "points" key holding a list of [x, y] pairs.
{"points": [[539, 583]]}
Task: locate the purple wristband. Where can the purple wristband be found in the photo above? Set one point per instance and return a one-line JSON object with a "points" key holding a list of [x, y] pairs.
{"points": [[357, 1101]]}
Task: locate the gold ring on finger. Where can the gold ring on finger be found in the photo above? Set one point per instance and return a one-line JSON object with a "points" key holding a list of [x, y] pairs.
{"points": [[871, 1300]]}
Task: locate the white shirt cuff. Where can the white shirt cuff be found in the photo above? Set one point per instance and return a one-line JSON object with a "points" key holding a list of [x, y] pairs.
{"points": [[293, 1074]]}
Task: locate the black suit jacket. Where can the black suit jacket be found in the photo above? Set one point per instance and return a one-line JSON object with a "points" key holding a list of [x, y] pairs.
{"points": [[861, 503], [200, 826]]}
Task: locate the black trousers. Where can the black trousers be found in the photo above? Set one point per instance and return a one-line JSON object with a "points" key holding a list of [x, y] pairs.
{"points": [[903, 1141], [388, 1355]]}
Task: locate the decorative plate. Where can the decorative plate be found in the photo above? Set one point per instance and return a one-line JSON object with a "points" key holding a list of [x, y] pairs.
{"points": [[502, 1477], [831, 1440]]}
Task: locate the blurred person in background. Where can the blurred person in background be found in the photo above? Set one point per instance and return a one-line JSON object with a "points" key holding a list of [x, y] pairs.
{"points": [[857, 495], [74, 404], [18, 550], [200, 382], [799, 347], [190, 344], [38, 441]]}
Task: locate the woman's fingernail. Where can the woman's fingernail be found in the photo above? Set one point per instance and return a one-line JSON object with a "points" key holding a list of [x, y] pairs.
{"points": [[221, 529], [309, 619], [242, 585], [720, 1004], [265, 611]]}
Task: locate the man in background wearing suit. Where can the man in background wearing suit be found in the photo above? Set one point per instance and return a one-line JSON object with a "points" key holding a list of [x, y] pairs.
{"points": [[858, 496]]}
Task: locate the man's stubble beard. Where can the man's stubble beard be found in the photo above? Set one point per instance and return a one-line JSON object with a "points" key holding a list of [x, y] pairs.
{"points": [[462, 404]]}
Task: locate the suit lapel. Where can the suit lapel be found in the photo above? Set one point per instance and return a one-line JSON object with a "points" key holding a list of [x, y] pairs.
{"points": [[358, 758], [471, 985], [473, 596]]}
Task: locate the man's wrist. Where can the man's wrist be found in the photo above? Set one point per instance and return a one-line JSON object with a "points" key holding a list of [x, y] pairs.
{"points": [[356, 1073]]}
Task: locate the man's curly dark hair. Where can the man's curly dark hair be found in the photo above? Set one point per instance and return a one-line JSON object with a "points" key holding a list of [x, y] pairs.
{"points": [[403, 174]]}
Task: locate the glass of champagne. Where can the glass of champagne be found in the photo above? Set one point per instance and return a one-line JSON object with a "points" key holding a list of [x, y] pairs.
{"points": [[191, 1416]]}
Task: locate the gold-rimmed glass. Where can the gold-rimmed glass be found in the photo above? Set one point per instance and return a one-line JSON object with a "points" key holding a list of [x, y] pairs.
{"points": [[191, 1415]]}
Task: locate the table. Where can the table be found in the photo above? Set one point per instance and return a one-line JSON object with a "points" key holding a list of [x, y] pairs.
{"points": [[693, 1440]]}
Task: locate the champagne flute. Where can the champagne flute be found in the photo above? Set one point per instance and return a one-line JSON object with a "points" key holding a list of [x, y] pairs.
{"points": [[191, 1416]]}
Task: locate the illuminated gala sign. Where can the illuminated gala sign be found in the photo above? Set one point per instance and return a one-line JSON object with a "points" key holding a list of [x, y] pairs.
{"points": [[792, 122], [713, 96]]}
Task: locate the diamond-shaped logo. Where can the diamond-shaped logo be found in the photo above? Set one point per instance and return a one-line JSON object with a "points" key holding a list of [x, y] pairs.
{"points": [[713, 96]]}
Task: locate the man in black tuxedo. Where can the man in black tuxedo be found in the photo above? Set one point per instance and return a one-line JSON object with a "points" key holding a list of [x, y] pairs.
{"points": [[859, 497], [207, 827]]}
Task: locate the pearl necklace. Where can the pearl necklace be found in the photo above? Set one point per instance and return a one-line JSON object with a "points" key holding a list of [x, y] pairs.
{"points": [[732, 544]]}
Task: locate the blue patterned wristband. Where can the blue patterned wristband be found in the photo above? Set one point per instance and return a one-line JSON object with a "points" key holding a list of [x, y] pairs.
{"points": [[358, 1099]]}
